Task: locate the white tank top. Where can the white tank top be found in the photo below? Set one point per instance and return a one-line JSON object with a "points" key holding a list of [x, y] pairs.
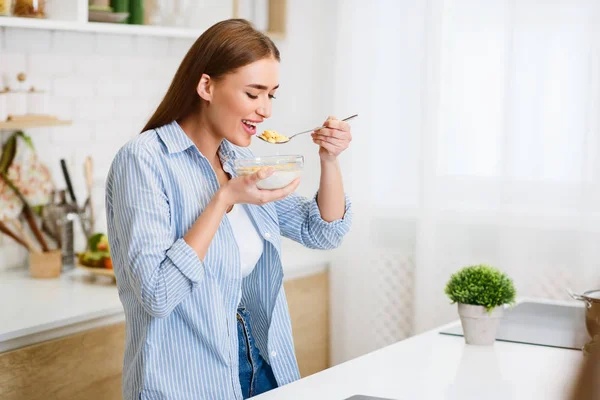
{"points": [[247, 237]]}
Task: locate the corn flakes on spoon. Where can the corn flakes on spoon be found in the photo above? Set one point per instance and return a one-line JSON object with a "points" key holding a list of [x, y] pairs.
{"points": [[276, 138]]}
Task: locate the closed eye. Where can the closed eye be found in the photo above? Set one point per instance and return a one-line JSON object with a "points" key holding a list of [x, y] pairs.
{"points": [[253, 97]]}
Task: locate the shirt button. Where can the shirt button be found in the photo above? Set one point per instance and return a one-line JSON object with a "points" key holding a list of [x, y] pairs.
{"points": [[273, 353], [267, 235]]}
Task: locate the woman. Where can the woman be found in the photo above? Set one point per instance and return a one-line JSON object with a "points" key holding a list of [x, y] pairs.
{"points": [[196, 250]]}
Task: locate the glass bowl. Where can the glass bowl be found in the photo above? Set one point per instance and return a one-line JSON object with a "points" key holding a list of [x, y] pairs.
{"points": [[287, 168]]}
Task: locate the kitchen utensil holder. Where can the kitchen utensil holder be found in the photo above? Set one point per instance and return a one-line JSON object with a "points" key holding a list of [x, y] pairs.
{"points": [[45, 265]]}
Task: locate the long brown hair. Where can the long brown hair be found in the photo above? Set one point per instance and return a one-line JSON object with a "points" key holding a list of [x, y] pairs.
{"points": [[223, 48]]}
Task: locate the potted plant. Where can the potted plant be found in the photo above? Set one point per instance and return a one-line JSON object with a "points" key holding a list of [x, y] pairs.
{"points": [[481, 292]]}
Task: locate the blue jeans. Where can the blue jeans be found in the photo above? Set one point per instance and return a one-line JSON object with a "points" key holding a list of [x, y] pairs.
{"points": [[256, 375]]}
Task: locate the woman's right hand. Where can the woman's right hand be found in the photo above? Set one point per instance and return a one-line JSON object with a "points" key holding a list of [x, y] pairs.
{"points": [[243, 189]]}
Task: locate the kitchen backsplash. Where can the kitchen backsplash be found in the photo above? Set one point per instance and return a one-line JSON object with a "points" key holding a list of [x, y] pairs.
{"points": [[108, 85]]}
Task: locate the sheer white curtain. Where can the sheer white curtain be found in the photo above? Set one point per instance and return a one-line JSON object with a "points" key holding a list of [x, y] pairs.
{"points": [[478, 142]]}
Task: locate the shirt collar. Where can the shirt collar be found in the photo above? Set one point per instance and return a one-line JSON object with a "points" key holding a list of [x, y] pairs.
{"points": [[177, 141], [174, 137], [227, 151]]}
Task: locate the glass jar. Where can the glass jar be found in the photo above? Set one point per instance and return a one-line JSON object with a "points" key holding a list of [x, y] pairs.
{"points": [[5, 7], [29, 8]]}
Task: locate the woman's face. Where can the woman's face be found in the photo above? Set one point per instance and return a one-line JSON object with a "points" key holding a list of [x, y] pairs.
{"points": [[242, 100]]}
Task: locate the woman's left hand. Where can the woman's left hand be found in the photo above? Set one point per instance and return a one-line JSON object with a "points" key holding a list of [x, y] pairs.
{"points": [[333, 139]]}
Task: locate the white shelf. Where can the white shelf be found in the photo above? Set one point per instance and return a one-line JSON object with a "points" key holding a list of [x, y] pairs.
{"points": [[98, 27]]}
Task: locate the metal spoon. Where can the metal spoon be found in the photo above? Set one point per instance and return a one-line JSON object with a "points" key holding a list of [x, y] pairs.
{"points": [[303, 132]]}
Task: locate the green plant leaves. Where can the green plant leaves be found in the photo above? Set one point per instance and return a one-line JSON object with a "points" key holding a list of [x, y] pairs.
{"points": [[481, 285], [9, 149]]}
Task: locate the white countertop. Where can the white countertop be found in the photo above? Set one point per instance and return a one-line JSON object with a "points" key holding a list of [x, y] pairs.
{"points": [[433, 366], [428, 366], [35, 310]]}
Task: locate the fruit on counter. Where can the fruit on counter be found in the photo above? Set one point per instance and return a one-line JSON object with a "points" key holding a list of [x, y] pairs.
{"points": [[94, 259], [98, 242], [97, 254]]}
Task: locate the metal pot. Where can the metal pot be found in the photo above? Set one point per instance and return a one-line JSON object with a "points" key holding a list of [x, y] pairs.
{"points": [[591, 298]]}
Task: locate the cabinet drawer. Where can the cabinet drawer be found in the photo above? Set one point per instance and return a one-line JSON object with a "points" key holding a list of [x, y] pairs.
{"points": [[86, 365], [308, 302]]}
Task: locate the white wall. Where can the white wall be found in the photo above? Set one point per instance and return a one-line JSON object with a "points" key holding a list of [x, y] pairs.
{"points": [[109, 85], [305, 99], [380, 54]]}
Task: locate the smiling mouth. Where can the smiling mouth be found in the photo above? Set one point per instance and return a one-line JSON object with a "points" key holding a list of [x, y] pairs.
{"points": [[249, 126]]}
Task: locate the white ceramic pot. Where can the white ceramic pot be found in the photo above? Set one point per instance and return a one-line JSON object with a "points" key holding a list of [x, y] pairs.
{"points": [[479, 326]]}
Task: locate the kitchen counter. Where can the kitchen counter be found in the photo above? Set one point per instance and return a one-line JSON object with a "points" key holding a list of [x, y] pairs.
{"points": [[36, 310], [433, 366]]}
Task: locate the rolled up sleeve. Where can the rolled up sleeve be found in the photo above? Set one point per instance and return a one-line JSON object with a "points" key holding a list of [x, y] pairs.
{"points": [[300, 220], [161, 268]]}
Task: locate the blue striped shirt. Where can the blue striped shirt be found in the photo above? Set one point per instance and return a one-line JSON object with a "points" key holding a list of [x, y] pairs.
{"points": [[181, 332]]}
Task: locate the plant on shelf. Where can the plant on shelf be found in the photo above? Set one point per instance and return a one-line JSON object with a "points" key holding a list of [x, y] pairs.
{"points": [[481, 293]]}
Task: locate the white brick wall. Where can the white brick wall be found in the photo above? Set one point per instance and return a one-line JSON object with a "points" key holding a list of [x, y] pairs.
{"points": [[107, 84]]}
